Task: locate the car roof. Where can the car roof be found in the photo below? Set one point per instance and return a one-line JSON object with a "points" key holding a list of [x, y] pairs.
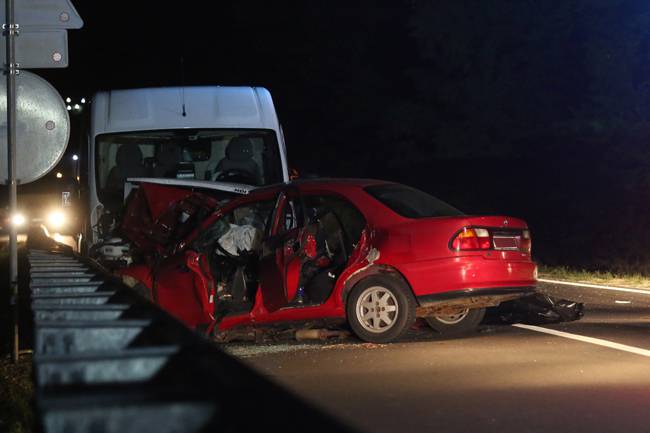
{"points": [[324, 183]]}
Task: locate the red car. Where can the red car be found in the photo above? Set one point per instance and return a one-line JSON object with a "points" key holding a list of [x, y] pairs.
{"points": [[375, 253]]}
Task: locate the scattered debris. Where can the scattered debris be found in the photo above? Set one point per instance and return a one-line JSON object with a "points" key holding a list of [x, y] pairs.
{"points": [[320, 334], [365, 346], [271, 335], [540, 309], [250, 350], [251, 334]]}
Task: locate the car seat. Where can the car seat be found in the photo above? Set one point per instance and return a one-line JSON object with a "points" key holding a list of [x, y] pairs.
{"points": [[238, 164], [128, 163], [168, 157]]}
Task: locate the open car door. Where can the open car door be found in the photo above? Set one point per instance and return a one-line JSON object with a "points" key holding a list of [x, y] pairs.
{"points": [[281, 260]]}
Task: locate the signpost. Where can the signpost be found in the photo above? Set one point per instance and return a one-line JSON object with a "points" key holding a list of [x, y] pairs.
{"points": [[42, 127], [35, 33]]}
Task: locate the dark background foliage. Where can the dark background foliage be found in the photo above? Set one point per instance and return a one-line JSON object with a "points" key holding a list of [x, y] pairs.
{"points": [[536, 109]]}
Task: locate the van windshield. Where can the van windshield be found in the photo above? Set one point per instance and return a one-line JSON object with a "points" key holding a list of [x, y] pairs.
{"points": [[242, 156]]}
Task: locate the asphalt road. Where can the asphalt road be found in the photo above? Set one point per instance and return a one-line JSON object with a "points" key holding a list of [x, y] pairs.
{"points": [[501, 379]]}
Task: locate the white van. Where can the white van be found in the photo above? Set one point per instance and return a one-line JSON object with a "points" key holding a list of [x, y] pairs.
{"points": [[204, 135]]}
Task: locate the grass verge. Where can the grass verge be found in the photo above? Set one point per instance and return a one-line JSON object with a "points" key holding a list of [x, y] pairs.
{"points": [[16, 389], [594, 277], [16, 392]]}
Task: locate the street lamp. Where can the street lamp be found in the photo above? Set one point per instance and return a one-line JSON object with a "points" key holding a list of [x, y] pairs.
{"points": [[75, 107]]}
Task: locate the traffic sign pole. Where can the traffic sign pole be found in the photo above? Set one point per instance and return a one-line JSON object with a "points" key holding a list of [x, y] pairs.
{"points": [[10, 29], [45, 45]]}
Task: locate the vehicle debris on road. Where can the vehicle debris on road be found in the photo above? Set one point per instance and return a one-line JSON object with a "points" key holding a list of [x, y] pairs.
{"points": [[540, 309], [269, 334], [321, 334]]}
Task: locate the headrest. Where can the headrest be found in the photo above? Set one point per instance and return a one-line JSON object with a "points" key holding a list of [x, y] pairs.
{"points": [[128, 155], [239, 149], [169, 154]]}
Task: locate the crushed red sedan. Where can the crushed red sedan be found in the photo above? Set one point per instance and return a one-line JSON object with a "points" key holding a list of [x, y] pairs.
{"points": [[374, 253]]}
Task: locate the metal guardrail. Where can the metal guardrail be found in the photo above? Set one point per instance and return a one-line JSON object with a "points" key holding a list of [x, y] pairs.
{"points": [[108, 361]]}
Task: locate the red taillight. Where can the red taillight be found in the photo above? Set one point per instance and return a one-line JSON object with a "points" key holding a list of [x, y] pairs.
{"points": [[472, 239]]}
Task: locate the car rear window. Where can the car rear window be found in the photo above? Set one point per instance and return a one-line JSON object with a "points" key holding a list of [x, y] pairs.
{"points": [[410, 202]]}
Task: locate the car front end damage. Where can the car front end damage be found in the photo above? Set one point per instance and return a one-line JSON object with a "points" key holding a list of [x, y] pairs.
{"points": [[157, 214]]}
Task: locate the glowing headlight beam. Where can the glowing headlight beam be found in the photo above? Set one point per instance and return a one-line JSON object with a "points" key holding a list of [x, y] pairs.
{"points": [[56, 219], [18, 219]]}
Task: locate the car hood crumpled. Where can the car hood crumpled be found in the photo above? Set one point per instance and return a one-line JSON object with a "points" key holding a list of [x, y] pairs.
{"points": [[161, 212]]}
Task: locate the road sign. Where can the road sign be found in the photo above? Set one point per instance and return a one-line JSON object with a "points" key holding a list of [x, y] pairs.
{"points": [[42, 128], [44, 14], [40, 49], [41, 39]]}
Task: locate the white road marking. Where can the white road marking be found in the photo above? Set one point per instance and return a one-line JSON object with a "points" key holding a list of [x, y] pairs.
{"points": [[591, 340], [596, 286], [623, 302]]}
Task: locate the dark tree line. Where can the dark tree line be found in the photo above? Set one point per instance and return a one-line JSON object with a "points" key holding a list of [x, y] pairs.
{"points": [[539, 109]]}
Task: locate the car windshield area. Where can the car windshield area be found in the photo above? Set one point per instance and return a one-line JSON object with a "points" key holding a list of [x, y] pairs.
{"points": [[410, 202], [241, 156]]}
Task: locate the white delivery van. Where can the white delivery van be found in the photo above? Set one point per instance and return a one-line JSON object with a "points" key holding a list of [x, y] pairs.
{"points": [[197, 135]]}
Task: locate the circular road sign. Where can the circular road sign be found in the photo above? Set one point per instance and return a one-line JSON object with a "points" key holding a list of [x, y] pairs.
{"points": [[42, 127]]}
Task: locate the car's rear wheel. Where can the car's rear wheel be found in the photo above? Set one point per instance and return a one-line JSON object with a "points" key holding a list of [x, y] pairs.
{"points": [[380, 309], [456, 322]]}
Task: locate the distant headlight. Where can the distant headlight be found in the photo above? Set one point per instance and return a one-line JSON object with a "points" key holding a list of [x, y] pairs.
{"points": [[18, 219], [56, 219]]}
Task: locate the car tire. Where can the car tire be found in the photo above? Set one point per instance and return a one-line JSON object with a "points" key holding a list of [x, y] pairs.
{"points": [[380, 309], [463, 322]]}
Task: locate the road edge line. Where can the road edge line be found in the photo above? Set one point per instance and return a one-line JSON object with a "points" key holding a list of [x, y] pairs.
{"points": [[584, 339]]}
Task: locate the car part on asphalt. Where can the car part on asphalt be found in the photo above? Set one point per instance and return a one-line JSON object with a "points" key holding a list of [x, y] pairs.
{"points": [[540, 309], [107, 360], [321, 334]]}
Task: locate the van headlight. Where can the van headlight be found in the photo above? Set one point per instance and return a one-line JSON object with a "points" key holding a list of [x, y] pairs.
{"points": [[56, 219], [18, 219]]}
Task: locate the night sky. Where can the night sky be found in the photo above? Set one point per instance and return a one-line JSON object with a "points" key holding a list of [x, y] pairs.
{"points": [[535, 109]]}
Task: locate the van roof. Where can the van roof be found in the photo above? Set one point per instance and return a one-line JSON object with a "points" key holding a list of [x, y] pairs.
{"points": [[222, 107]]}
